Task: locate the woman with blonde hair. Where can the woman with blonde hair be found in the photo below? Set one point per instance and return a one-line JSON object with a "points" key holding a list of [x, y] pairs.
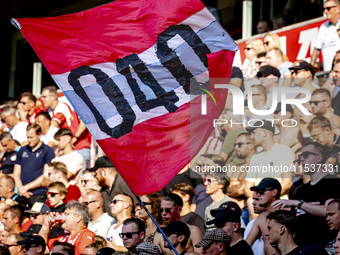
{"points": [[271, 41], [253, 47]]}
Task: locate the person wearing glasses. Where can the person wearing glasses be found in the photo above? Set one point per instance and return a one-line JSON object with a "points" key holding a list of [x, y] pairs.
{"points": [[171, 207], [87, 181], [121, 208], [100, 222], [252, 48], [33, 245], [266, 193], [311, 199], [328, 40], [27, 109], [56, 195], [132, 234], [11, 243], [321, 103], [57, 172]]}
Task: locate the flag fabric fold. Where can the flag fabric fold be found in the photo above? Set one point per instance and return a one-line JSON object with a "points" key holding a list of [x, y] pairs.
{"points": [[126, 68]]}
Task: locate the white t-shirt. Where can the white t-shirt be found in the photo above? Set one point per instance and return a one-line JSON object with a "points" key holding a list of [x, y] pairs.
{"points": [[101, 226], [19, 132], [74, 162], [271, 163], [113, 233], [49, 135], [328, 42]]}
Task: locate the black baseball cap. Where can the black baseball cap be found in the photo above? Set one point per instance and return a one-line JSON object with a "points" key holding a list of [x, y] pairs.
{"points": [[289, 107], [265, 124], [226, 215], [34, 239], [33, 229], [227, 205], [101, 162], [267, 183], [268, 70], [178, 227], [303, 65]]}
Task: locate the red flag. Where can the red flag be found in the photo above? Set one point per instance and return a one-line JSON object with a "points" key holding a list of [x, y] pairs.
{"points": [[126, 69]]}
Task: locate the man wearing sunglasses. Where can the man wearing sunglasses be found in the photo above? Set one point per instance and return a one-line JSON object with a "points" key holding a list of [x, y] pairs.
{"points": [[110, 181], [11, 243], [100, 222], [27, 108], [266, 192], [133, 233], [171, 207], [33, 245], [328, 40], [121, 209], [321, 103], [311, 199]]}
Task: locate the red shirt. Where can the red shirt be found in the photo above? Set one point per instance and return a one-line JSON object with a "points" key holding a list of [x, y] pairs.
{"points": [[31, 118], [80, 240]]}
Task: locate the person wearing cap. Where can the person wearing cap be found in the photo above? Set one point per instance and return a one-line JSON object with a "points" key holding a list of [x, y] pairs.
{"points": [[281, 227], [215, 242], [147, 248], [71, 158], [269, 78], [321, 103], [274, 57], [33, 245], [100, 222], [228, 218], [12, 219], [33, 229], [38, 213], [303, 73], [178, 234], [110, 181], [57, 172], [311, 199], [171, 207], [290, 135], [273, 156], [267, 192], [11, 243]]}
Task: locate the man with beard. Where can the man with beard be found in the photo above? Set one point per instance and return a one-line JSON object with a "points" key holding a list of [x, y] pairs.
{"points": [[311, 199], [110, 181]]}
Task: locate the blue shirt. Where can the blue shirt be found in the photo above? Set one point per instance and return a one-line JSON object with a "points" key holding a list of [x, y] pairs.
{"points": [[32, 164]]}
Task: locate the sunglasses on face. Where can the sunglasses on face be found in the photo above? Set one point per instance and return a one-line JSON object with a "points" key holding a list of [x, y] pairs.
{"points": [[314, 137], [28, 246], [266, 43], [248, 48], [89, 202], [239, 144], [208, 180], [316, 102], [84, 182], [262, 191], [138, 205], [166, 210], [259, 62], [328, 8], [52, 194], [23, 103], [128, 234], [306, 154], [296, 71]]}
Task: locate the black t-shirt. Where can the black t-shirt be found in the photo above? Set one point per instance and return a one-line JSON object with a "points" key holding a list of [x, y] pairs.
{"points": [[309, 226], [8, 162], [59, 208], [295, 187], [242, 247], [189, 177], [194, 219], [295, 251]]}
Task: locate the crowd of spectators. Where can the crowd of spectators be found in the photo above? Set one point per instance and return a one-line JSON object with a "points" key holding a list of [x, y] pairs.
{"points": [[55, 201]]}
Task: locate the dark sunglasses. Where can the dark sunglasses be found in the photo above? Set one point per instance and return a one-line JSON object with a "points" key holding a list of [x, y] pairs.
{"points": [[144, 203], [328, 8], [116, 200], [128, 234], [23, 103], [266, 43], [9, 245], [239, 144], [26, 247], [249, 48], [306, 154], [314, 137], [33, 215], [293, 71], [52, 194], [208, 180], [167, 210], [316, 102], [89, 202], [259, 62], [262, 191]]}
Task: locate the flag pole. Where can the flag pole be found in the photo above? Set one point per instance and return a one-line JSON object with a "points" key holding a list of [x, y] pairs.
{"points": [[158, 227]]}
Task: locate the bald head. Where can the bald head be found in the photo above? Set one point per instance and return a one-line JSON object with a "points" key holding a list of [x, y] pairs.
{"points": [[95, 195]]}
